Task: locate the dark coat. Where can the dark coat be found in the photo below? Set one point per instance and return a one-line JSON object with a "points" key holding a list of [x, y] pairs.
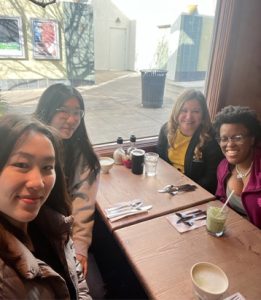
{"points": [[28, 277], [202, 172]]}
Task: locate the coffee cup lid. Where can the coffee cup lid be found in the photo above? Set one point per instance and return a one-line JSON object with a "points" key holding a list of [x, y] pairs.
{"points": [[137, 152]]}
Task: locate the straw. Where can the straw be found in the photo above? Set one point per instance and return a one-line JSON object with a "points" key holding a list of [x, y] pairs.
{"points": [[228, 198]]}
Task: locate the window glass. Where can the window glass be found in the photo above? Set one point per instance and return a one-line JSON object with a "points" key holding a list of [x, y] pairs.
{"points": [[129, 58]]}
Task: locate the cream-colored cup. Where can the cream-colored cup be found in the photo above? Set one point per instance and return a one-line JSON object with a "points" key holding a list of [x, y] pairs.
{"points": [[106, 164], [209, 281]]}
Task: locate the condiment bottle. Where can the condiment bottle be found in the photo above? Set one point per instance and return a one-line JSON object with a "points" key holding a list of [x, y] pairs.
{"points": [[119, 153], [132, 145]]}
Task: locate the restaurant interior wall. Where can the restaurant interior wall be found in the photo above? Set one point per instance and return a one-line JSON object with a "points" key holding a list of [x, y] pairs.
{"points": [[235, 72]]}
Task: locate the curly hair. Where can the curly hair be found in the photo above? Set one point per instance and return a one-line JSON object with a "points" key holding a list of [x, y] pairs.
{"points": [[239, 115], [205, 127]]}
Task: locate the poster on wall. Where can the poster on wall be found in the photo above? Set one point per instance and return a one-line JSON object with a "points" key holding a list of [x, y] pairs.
{"points": [[11, 37], [45, 35]]}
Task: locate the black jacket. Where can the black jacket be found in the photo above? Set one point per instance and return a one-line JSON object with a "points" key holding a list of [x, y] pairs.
{"points": [[203, 172]]}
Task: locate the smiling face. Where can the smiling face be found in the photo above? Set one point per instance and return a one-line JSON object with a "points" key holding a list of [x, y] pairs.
{"points": [[65, 123], [190, 117], [27, 178], [236, 152]]}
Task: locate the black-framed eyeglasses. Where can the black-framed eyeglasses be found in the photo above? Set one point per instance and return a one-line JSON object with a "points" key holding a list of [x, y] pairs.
{"points": [[237, 139], [67, 112]]}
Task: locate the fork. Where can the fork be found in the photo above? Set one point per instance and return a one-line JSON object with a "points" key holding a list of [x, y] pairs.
{"points": [[166, 188], [192, 221], [133, 204], [236, 296]]}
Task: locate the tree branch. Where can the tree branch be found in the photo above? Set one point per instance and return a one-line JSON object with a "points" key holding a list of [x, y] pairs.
{"points": [[43, 4]]}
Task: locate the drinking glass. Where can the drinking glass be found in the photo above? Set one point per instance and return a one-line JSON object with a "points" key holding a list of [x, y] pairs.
{"points": [[216, 218], [151, 161]]}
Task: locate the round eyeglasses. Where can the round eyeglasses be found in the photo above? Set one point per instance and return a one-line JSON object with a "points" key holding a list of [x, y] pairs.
{"points": [[66, 112], [238, 139]]}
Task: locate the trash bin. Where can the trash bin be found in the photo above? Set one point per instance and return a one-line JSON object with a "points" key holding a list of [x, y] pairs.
{"points": [[152, 86]]}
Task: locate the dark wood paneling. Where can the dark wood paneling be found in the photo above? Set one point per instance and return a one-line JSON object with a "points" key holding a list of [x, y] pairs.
{"points": [[242, 84]]}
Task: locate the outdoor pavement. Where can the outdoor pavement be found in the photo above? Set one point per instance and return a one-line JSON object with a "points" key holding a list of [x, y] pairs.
{"points": [[113, 106]]}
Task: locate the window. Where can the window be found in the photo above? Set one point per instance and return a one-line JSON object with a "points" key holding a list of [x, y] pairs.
{"points": [[103, 46]]}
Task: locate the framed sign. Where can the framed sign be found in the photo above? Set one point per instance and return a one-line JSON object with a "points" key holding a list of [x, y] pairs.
{"points": [[11, 37], [45, 35]]}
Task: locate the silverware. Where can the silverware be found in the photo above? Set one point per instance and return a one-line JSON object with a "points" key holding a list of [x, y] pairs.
{"points": [[191, 222], [166, 188], [132, 204], [173, 190], [187, 213], [190, 216], [128, 211], [140, 210]]}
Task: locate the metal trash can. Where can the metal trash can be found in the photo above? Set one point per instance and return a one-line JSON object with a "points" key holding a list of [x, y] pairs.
{"points": [[152, 86]]}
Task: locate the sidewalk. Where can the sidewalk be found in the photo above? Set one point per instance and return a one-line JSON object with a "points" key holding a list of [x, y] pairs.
{"points": [[113, 106]]}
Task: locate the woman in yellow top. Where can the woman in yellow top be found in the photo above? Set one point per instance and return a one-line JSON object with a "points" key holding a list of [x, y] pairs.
{"points": [[187, 140]]}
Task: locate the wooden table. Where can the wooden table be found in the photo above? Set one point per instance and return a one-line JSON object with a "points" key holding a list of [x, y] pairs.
{"points": [[162, 257], [122, 185]]}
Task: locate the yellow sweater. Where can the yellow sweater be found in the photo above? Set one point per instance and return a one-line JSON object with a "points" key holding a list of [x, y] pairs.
{"points": [[177, 152]]}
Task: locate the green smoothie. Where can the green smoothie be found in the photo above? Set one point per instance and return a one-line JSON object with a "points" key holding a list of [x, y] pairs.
{"points": [[216, 220]]}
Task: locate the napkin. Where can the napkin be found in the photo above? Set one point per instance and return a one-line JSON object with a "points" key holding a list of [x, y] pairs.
{"points": [[125, 209], [181, 227], [236, 296]]}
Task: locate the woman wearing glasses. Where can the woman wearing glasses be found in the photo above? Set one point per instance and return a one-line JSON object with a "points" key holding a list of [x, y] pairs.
{"points": [[187, 140], [239, 135], [62, 107]]}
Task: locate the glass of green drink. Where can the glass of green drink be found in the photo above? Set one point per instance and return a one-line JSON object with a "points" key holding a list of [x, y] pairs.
{"points": [[216, 218]]}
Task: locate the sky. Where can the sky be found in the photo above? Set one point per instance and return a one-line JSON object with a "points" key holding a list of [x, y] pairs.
{"points": [[162, 11]]}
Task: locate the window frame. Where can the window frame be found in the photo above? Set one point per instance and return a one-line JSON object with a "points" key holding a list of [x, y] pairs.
{"points": [[215, 78]]}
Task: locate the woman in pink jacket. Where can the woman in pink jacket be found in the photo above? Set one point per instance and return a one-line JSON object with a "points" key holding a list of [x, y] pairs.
{"points": [[239, 136]]}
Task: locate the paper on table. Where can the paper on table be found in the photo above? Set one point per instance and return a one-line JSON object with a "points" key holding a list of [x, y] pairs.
{"points": [[131, 213], [181, 227], [124, 205], [236, 296]]}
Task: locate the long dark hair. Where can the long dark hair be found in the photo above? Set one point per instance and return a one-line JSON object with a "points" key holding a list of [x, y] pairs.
{"points": [[12, 128], [79, 144]]}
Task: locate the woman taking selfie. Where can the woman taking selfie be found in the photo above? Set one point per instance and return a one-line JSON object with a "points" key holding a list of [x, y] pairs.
{"points": [[187, 140], [239, 135], [36, 256]]}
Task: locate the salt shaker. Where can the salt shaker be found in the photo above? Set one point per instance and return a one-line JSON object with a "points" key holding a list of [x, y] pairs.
{"points": [[119, 153]]}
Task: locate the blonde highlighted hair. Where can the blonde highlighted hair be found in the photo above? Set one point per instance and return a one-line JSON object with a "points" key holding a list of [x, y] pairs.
{"points": [[205, 127]]}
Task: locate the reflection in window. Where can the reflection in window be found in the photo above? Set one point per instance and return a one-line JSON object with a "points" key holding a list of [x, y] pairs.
{"points": [[103, 47]]}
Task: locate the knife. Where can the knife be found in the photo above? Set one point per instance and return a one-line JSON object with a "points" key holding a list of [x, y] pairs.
{"points": [[127, 212], [191, 216], [192, 221]]}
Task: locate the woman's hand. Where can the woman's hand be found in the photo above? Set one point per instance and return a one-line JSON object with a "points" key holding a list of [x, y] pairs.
{"points": [[83, 261]]}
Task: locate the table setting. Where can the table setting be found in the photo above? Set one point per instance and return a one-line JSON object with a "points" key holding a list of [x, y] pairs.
{"points": [[125, 209], [188, 220]]}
